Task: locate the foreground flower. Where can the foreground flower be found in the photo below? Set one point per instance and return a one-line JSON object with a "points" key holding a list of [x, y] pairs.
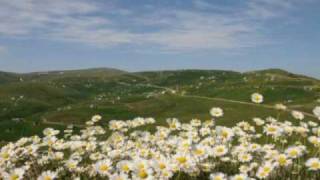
{"points": [[183, 160], [258, 149], [220, 150], [272, 130], [257, 98], [297, 115], [294, 151], [50, 132], [316, 111], [258, 121], [216, 112], [15, 174], [48, 175], [103, 167], [265, 170], [280, 107], [218, 176], [96, 118], [240, 177], [244, 157], [313, 164], [283, 160]]}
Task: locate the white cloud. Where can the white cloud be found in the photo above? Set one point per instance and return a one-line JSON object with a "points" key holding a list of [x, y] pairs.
{"points": [[105, 25], [266, 9], [194, 31], [29, 16]]}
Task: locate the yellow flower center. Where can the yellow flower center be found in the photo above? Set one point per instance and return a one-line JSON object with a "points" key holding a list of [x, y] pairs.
{"points": [[141, 166], [14, 177], [266, 170], [225, 134], [315, 165], [125, 168], [199, 151], [173, 126], [272, 129], [5, 155], [47, 178], [282, 160], [104, 167], [220, 149], [245, 157], [182, 160], [263, 174], [293, 153], [165, 174], [239, 178], [162, 165], [143, 174], [71, 165]]}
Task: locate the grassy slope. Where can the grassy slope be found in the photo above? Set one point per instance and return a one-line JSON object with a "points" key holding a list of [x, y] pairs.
{"points": [[59, 98]]}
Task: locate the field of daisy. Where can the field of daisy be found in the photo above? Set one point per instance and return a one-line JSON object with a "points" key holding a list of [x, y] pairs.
{"points": [[270, 148]]}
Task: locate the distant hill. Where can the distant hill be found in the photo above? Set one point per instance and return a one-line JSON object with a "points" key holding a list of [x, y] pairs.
{"points": [[31, 101], [6, 77]]}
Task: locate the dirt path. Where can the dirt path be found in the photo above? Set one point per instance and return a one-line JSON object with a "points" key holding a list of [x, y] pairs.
{"points": [[45, 121], [232, 101], [246, 103], [191, 96]]}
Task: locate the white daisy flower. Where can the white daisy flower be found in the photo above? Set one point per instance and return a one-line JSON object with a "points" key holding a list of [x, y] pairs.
{"points": [[240, 177], [283, 160], [48, 175], [124, 166], [117, 176], [15, 174], [313, 164], [265, 170], [216, 112], [225, 133], [103, 167], [294, 152], [96, 118], [50, 132], [272, 130], [297, 115], [316, 111], [220, 150], [257, 98], [245, 157], [280, 107], [143, 174], [174, 124], [183, 160], [218, 176], [258, 121]]}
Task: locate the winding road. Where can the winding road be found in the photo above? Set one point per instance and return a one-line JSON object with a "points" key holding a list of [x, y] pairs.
{"points": [[231, 101], [191, 96]]}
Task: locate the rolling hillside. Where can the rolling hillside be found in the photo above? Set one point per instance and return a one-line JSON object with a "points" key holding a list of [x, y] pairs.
{"points": [[30, 102]]}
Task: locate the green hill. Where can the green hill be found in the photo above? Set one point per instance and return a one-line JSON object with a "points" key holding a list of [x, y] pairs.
{"points": [[29, 102]]}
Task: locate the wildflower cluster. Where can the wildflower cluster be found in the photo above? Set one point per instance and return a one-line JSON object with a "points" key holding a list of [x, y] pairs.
{"points": [[257, 149]]}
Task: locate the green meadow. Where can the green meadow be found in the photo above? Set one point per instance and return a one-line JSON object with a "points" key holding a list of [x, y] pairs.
{"points": [[30, 102]]}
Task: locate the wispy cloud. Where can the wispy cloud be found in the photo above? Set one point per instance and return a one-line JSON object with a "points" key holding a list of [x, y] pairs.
{"points": [[201, 27], [266, 9], [33, 16], [198, 30]]}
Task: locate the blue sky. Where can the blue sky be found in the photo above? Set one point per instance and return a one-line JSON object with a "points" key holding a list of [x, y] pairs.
{"points": [[135, 35]]}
